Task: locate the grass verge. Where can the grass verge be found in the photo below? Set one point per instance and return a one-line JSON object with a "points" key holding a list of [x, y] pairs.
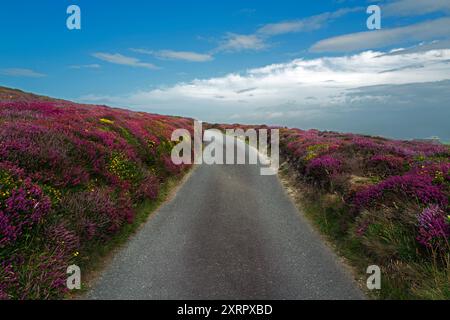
{"points": [[402, 279]]}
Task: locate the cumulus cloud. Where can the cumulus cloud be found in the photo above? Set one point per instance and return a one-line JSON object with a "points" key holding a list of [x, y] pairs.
{"points": [[21, 72], [323, 79], [402, 95], [176, 55], [424, 31], [120, 59]]}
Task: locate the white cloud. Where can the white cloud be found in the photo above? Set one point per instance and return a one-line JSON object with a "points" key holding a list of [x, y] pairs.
{"points": [[423, 46], [326, 80], [415, 7], [20, 72], [366, 92], [256, 41], [177, 55], [117, 58], [233, 42], [308, 24], [303, 25], [424, 31], [85, 66]]}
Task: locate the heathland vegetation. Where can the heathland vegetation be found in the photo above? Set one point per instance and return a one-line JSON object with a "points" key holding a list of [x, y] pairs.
{"points": [[382, 202], [74, 177]]}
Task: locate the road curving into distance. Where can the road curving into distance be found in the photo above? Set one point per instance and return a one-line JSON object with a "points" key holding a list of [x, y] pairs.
{"points": [[229, 233]]}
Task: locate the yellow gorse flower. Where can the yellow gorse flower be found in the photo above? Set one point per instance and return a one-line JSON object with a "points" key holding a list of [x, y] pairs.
{"points": [[7, 183], [106, 121], [315, 150], [53, 193], [122, 167]]}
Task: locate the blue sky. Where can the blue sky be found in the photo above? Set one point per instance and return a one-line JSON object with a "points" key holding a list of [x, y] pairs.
{"points": [[297, 63]]}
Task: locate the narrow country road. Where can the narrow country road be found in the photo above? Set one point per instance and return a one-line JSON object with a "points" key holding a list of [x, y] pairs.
{"points": [[229, 233]]}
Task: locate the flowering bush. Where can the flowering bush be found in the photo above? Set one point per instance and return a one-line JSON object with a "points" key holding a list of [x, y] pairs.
{"points": [[326, 164], [71, 176], [92, 215], [25, 207], [440, 172], [385, 165], [434, 229], [383, 185], [412, 186], [148, 189], [322, 169], [123, 168]]}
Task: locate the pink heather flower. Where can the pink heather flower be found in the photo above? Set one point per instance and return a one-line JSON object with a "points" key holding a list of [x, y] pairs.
{"points": [[414, 186], [387, 164], [325, 163], [24, 209], [434, 230]]}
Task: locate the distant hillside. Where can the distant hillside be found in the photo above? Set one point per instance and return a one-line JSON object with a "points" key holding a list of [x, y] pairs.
{"points": [[8, 94]]}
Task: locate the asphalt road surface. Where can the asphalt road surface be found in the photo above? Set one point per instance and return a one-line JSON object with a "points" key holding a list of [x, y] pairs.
{"points": [[229, 233]]}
